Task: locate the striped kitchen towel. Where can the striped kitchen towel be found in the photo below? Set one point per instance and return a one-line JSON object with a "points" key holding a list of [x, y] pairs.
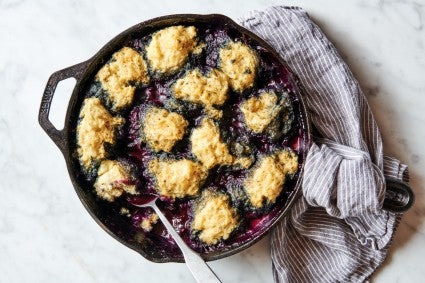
{"points": [[336, 232]]}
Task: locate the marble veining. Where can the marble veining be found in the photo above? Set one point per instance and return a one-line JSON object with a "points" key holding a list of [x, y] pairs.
{"points": [[45, 233]]}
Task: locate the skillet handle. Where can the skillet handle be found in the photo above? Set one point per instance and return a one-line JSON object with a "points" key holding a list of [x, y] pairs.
{"points": [[58, 136], [399, 196]]}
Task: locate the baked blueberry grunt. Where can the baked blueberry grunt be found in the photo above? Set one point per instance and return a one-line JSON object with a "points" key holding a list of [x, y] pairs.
{"points": [[204, 118]]}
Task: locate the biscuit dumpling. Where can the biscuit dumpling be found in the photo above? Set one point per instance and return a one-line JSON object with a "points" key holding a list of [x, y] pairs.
{"points": [[177, 178], [214, 218], [95, 129], [207, 145], [162, 128], [265, 183], [169, 48], [119, 76], [113, 179], [260, 111], [239, 63], [207, 90], [270, 113]]}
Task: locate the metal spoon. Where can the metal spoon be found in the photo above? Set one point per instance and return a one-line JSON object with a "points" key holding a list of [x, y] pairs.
{"points": [[197, 266]]}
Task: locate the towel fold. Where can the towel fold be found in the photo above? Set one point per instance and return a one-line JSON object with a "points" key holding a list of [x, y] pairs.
{"points": [[337, 231]]}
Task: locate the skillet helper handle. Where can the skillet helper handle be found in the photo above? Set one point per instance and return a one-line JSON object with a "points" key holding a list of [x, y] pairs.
{"points": [[399, 196], [58, 136], [196, 264]]}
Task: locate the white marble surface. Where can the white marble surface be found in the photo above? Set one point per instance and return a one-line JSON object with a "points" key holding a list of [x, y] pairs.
{"points": [[45, 233]]}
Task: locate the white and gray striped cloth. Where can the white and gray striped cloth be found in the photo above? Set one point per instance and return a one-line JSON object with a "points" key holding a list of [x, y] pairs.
{"points": [[336, 232]]}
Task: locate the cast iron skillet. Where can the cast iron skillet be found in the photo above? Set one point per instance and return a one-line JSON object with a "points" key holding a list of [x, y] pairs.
{"points": [[400, 196]]}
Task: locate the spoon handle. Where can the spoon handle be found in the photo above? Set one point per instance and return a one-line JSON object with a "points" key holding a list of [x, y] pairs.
{"points": [[197, 266]]}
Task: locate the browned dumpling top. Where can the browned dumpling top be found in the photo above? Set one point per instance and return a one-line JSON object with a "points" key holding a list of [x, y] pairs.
{"points": [[117, 77], [113, 179], [214, 217], [266, 181], [208, 90], [208, 147], [239, 63], [260, 111], [177, 178], [162, 128], [169, 48], [96, 128]]}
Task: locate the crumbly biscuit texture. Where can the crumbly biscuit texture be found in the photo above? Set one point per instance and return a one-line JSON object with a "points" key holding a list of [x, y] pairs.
{"points": [[169, 48], [148, 222], [113, 179], [162, 129], [207, 90], [96, 128], [208, 147], [244, 162], [289, 159], [116, 77], [239, 63], [213, 113], [177, 178], [266, 181], [260, 111], [214, 217]]}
